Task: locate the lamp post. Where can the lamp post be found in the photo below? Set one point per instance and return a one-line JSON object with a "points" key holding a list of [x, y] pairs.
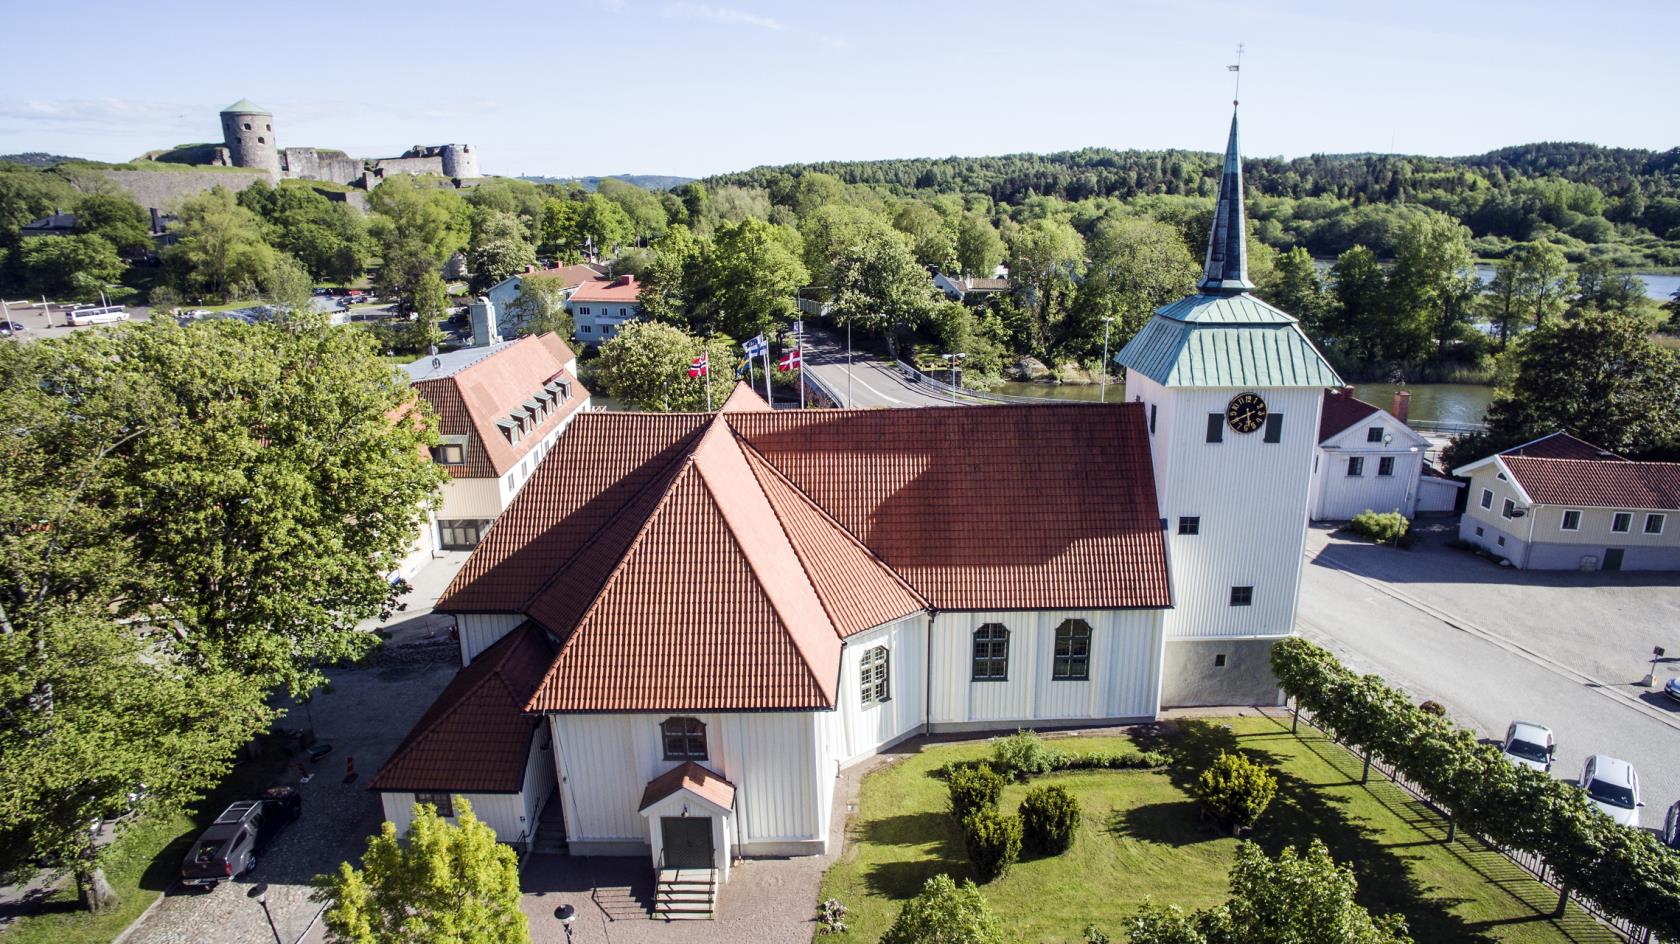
{"points": [[1102, 390], [567, 914], [259, 891], [953, 360]]}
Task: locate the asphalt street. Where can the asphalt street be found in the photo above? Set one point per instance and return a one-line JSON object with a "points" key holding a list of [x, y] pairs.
{"points": [[873, 383], [1432, 646]]}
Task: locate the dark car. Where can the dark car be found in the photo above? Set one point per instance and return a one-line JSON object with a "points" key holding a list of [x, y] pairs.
{"points": [[229, 847]]}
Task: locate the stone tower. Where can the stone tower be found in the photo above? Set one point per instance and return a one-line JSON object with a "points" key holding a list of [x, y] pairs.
{"points": [[460, 161], [248, 132]]}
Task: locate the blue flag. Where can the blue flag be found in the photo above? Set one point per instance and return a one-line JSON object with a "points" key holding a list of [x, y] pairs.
{"points": [[755, 346]]}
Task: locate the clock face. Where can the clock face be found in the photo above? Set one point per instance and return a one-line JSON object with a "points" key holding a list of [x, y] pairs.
{"points": [[1246, 412]]}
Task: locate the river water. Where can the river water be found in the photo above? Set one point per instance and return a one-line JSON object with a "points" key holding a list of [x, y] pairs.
{"points": [[1431, 403], [1657, 285]]}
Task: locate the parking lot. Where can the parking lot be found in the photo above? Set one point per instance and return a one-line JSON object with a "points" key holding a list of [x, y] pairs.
{"points": [[1492, 644]]}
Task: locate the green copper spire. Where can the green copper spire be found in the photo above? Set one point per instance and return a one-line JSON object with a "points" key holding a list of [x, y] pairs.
{"points": [[1225, 270]]}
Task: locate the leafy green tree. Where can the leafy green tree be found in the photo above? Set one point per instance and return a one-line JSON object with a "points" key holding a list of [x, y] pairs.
{"points": [[76, 267], [497, 249], [1236, 790], [558, 235], [1293, 899], [879, 285], [979, 248], [932, 240], [220, 251], [828, 232], [752, 274], [1135, 266], [520, 199], [1046, 259], [118, 219], [329, 238], [431, 303], [1360, 288], [944, 912], [1430, 288], [646, 366], [1600, 375], [1533, 284], [442, 883], [26, 195], [977, 332], [642, 208], [603, 225], [1600, 288], [1298, 289], [540, 307], [416, 229], [673, 282], [287, 286]]}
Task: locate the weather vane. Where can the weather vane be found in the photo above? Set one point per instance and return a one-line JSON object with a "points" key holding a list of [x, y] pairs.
{"points": [[1237, 92]]}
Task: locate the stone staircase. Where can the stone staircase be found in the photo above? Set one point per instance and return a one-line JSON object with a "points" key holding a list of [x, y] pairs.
{"points": [[685, 894], [551, 829]]}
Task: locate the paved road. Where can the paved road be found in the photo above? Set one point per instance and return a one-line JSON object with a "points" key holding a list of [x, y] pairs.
{"points": [[1435, 645], [873, 383]]}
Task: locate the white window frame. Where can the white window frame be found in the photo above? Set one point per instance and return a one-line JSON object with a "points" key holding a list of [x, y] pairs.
{"points": [[1626, 520], [1564, 524], [1659, 518], [1356, 467], [1487, 498], [1385, 462], [874, 675]]}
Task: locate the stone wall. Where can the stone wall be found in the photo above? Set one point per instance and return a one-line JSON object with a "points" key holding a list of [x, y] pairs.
{"points": [[392, 166], [316, 164], [1218, 672], [165, 189]]}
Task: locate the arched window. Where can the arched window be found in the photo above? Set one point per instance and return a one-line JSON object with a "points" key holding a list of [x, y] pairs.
{"points": [[685, 738], [991, 653], [1073, 652], [872, 677]]}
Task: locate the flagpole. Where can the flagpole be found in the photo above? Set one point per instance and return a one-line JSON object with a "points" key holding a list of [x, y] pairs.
{"points": [[767, 396], [799, 349], [708, 356]]}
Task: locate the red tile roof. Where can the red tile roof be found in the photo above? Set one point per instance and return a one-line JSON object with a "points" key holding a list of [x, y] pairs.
{"points": [[475, 738], [1597, 483], [625, 288], [693, 778], [469, 402], [1342, 410], [569, 275], [714, 562], [1561, 445]]}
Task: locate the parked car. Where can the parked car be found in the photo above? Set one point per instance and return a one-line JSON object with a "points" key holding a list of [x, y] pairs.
{"points": [[89, 316], [1671, 688], [229, 847], [1613, 786], [1530, 745], [1671, 827]]}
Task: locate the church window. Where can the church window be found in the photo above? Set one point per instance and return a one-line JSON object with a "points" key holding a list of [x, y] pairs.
{"points": [[1374, 434], [1487, 498], [1654, 524], [1274, 427], [1356, 466], [1572, 520], [1151, 419], [1190, 524], [1242, 596], [1073, 652], [685, 738], [991, 653], [1216, 427], [1508, 510], [1385, 465], [872, 676], [442, 802], [1219, 660]]}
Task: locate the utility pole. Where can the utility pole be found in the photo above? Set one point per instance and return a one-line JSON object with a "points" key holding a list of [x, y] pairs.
{"points": [[1102, 392], [953, 360]]}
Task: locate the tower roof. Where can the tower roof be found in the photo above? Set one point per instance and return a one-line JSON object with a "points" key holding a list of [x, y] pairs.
{"points": [[1226, 267], [246, 107]]}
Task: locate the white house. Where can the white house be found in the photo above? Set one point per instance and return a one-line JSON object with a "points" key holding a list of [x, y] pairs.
{"points": [[503, 293], [1560, 503], [961, 287], [1367, 460], [500, 409], [598, 308], [729, 608]]}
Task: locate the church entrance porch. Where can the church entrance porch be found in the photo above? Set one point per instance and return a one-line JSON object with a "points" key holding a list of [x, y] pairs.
{"points": [[687, 842]]}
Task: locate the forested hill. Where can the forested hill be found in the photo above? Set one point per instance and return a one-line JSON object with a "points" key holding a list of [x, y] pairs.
{"points": [[1102, 172]]}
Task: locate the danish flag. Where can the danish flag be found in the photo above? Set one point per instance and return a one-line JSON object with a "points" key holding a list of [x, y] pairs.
{"points": [[791, 360], [699, 367]]}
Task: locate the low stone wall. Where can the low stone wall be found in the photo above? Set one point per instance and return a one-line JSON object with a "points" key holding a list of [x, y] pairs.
{"points": [[165, 189]]}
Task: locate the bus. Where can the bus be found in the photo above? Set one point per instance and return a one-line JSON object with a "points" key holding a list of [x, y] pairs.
{"points": [[96, 315]]}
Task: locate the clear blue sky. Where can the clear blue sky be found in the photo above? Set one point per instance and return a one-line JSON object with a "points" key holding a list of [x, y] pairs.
{"points": [[573, 87]]}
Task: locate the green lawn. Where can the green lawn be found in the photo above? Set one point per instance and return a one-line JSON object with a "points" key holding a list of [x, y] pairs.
{"points": [[1140, 836], [143, 862]]}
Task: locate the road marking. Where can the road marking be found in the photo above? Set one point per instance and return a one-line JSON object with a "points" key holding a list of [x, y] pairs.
{"points": [[1609, 689]]}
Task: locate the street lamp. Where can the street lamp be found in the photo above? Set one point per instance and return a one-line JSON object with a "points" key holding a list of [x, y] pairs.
{"points": [[953, 360], [567, 914], [259, 891], [1102, 391]]}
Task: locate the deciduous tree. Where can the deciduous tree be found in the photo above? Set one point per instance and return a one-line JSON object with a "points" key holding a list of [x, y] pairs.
{"points": [[979, 247], [1135, 267], [646, 366], [944, 912], [752, 275], [540, 307], [220, 251]]}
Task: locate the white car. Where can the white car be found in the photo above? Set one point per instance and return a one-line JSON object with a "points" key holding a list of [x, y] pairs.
{"points": [[1613, 787], [1530, 745], [91, 316]]}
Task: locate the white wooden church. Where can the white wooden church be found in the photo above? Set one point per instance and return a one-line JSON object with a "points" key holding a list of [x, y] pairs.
{"points": [[687, 624]]}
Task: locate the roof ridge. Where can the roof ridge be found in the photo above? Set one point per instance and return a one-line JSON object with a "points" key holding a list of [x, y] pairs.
{"points": [[684, 455], [756, 461], [1612, 459]]}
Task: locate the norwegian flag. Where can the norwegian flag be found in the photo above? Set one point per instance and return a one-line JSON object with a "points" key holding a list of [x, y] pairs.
{"points": [[699, 367], [791, 360]]}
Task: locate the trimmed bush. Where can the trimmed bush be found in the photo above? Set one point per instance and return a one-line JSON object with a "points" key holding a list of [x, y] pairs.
{"points": [[1384, 527], [993, 841], [1049, 818], [1112, 760], [946, 912], [1236, 790], [974, 788], [1023, 754]]}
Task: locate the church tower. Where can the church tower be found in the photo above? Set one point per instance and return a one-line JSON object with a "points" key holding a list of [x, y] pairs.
{"points": [[1232, 389]]}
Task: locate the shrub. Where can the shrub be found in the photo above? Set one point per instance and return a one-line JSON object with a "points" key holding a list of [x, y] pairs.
{"points": [[831, 916], [974, 788], [1236, 790], [1049, 817], [1023, 754], [1112, 760], [1433, 707], [993, 840], [947, 913], [1382, 527]]}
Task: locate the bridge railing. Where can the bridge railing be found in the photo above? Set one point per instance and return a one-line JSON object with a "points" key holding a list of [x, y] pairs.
{"points": [[933, 382]]}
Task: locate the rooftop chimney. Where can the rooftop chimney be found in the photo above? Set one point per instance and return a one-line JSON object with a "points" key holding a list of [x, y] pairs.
{"points": [[1402, 405]]}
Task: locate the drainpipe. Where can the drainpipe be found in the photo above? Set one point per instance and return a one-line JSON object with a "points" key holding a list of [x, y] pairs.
{"points": [[927, 675]]}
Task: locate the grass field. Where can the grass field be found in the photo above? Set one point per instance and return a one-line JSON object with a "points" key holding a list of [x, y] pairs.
{"points": [[141, 864], [1141, 836]]}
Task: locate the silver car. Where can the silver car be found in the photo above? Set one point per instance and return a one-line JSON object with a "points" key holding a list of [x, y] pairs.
{"points": [[1613, 786], [1530, 745]]}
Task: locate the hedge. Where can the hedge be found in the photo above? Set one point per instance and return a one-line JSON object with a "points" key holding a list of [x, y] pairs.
{"points": [[993, 841], [1384, 527], [1623, 870]]}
